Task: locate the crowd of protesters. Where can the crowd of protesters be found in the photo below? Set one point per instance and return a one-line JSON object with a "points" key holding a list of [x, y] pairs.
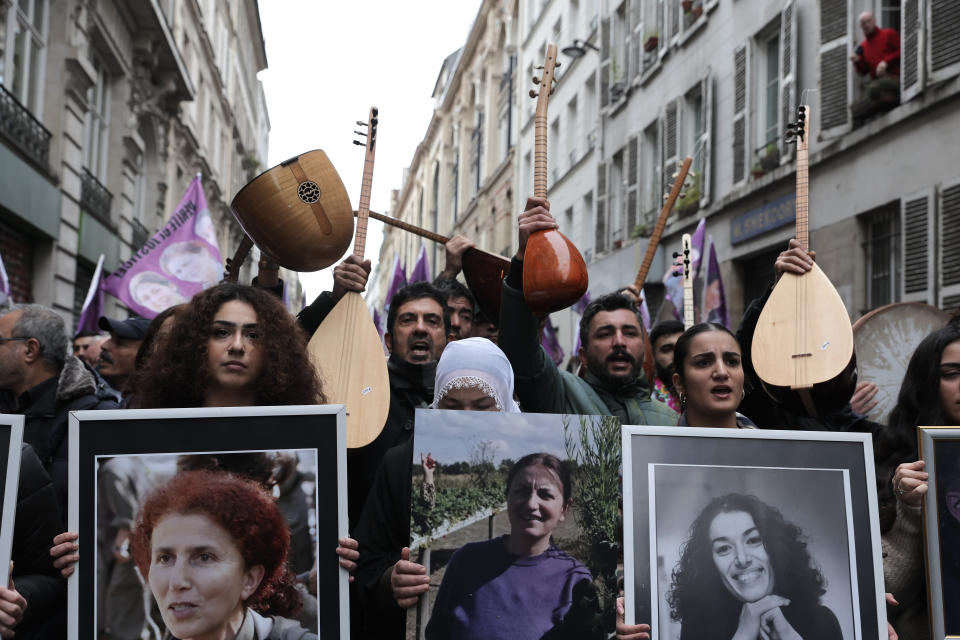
{"points": [[236, 345]]}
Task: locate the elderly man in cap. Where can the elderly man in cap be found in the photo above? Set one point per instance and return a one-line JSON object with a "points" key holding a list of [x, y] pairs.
{"points": [[119, 352], [41, 382]]}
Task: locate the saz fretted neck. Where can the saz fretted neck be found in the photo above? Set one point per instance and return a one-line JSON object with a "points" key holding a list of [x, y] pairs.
{"points": [[803, 344], [554, 273], [346, 349]]}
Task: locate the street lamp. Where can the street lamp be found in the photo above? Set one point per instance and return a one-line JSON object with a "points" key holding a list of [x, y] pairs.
{"points": [[579, 49]]}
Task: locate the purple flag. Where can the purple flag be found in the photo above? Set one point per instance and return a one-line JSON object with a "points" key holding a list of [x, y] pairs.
{"points": [[714, 301], [397, 281], [4, 279], [378, 322], [644, 311], [421, 270], [550, 342], [93, 303], [581, 305], [178, 262]]}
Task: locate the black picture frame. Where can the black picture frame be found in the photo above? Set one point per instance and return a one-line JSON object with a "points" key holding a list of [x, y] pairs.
{"points": [[805, 475], [321, 428]]}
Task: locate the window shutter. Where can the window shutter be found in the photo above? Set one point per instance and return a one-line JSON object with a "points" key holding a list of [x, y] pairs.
{"points": [[604, 62], [916, 247], [673, 15], [600, 237], [632, 171], [944, 21], [706, 149], [662, 35], [740, 83], [911, 53], [788, 75], [835, 75], [671, 123], [949, 237], [636, 35]]}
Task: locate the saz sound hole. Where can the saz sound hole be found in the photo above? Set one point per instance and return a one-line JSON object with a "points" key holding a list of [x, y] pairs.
{"points": [[309, 192]]}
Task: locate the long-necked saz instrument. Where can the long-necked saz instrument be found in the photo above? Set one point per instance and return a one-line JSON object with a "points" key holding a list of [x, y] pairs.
{"points": [[803, 344], [671, 198], [483, 271], [346, 348], [687, 253], [554, 273], [297, 212]]}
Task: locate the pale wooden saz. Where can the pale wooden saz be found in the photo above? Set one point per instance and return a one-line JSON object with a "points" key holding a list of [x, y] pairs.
{"points": [[803, 344], [686, 252], [346, 348]]}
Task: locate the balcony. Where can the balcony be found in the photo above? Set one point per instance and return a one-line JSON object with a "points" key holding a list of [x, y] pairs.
{"points": [[24, 132], [95, 199], [140, 234]]}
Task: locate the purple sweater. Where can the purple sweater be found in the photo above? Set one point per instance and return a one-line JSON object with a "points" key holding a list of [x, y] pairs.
{"points": [[489, 593]]}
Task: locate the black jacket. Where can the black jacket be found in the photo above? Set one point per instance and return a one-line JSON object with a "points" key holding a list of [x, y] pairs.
{"points": [[46, 408], [411, 386], [34, 575]]}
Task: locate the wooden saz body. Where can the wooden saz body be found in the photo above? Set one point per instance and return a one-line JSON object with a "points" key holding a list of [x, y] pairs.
{"points": [[885, 340], [298, 212], [348, 356], [803, 343], [484, 273], [346, 349]]}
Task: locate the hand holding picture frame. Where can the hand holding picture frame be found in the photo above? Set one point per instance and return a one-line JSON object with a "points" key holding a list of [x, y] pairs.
{"points": [[940, 451], [751, 527]]}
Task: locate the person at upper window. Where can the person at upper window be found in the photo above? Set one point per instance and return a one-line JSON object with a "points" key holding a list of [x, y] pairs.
{"points": [[611, 335], [879, 53]]}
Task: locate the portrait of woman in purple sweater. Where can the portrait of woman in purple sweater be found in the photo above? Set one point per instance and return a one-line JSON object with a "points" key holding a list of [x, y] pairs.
{"points": [[520, 585]]}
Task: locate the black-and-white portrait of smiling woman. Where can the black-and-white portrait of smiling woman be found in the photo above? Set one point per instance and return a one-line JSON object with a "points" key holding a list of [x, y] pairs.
{"points": [[727, 552]]}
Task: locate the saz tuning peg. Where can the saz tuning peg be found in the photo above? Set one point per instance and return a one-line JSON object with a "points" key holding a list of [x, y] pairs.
{"points": [[533, 94]]}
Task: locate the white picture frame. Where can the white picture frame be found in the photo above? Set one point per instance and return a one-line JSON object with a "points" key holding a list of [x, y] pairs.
{"points": [[769, 466]]}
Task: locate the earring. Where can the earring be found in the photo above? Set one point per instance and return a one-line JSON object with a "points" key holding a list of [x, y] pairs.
{"points": [[743, 393]]}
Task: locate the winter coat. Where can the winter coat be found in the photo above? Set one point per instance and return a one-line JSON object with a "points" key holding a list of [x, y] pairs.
{"points": [[46, 408], [543, 388], [34, 575]]}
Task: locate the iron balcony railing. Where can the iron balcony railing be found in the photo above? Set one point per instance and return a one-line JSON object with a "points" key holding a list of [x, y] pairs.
{"points": [[95, 199], [24, 131]]}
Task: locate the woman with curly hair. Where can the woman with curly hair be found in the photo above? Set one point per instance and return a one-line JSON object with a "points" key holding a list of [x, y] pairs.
{"points": [[233, 345], [745, 573], [213, 547]]}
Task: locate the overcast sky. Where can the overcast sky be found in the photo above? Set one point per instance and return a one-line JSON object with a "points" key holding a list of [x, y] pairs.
{"points": [[328, 62]]}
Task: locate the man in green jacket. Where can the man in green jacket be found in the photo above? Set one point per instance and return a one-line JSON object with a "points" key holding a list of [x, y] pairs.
{"points": [[611, 335]]}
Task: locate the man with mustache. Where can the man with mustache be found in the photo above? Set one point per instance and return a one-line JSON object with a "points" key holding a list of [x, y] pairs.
{"points": [[611, 352], [418, 323]]}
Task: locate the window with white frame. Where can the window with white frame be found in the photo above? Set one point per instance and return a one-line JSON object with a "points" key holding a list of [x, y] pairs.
{"points": [[476, 154], [570, 151], [768, 97], [589, 127], [505, 120], [650, 168], [455, 175], [97, 124], [882, 249], [616, 190], [554, 169], [23, 39]]}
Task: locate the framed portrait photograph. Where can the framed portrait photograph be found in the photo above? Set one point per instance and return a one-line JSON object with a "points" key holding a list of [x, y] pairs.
{"points": [[940, 451], [516, 517], [751, 533], [194, 518], [11, 439]]}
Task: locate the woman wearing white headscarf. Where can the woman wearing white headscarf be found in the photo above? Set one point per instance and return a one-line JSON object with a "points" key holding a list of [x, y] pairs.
{"points": [[472, 375]]}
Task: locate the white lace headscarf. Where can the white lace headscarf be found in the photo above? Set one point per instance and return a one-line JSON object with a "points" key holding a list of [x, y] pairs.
{"points": [[476, 363]]}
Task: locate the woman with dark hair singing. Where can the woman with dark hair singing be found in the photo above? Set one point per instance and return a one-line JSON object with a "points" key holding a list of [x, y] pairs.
{"points": [[745, 573], [213, 549]]}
